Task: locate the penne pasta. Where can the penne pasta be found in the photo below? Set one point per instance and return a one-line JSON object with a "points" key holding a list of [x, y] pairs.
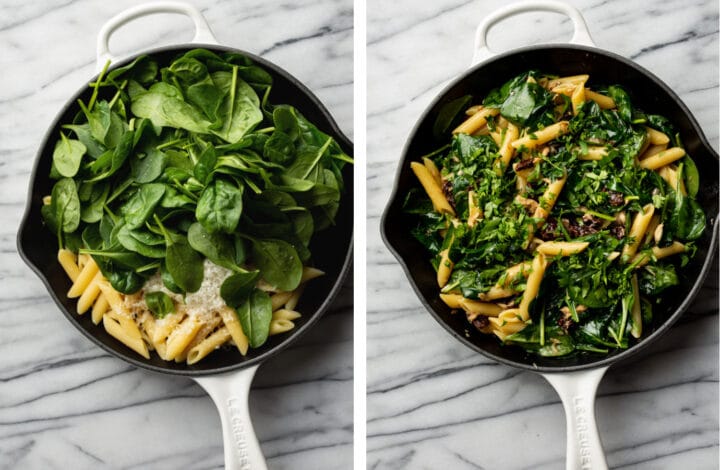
{"points": [[83, 279], [605, 102], [641, 259], [474, 211], [656, 137], [280, 325], [594, 154], [578, 97], [124, 330], [507, 151], [572, 80], [663, 158], [444, 268], [433, 169], [310, 273], [452, 300], [433, 190], [475, 307], [68, 261], [562, 248], [101, 306], [637, 231], [652, 150], [295, 297], [208, 345], [533, 285], [181, 336], [280, 299], [476, 121], [542, 136], [236, 333]]}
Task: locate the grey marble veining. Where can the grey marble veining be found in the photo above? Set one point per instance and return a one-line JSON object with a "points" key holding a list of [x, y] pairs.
{"points": [[64, 403], [432, 402]]}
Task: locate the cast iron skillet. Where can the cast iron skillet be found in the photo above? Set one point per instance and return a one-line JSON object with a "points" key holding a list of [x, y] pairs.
{"points": [[581, 373], [224, 373]]}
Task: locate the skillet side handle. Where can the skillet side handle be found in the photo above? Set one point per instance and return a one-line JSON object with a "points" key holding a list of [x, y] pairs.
{"points": [[581, 34], [203, 33], [231, 392], [577, 391]]}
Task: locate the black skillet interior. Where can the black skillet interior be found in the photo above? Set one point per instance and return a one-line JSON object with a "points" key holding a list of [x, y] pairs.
{"points": [[648, 93], [331, 249]]}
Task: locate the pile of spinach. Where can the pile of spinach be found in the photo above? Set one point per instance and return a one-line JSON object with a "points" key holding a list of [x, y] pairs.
{"points": [[592, 279], [166, 166]]}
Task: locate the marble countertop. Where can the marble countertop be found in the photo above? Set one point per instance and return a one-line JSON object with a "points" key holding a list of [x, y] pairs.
{"points": [[432, 402], [64, 403]]}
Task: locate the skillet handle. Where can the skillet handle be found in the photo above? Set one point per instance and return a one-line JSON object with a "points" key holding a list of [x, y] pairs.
{"points": [[203, 34], [581, 34], [231, 392], [577, 391]]}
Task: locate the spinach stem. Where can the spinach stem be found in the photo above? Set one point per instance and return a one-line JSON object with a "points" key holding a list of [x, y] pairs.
{"points": [[96, 86]]}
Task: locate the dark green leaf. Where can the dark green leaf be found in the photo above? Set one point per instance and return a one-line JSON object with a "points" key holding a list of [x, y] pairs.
{"points": [[185, 265], [278, 262], [217, 247], [255, 316], [159, 303], [220, 206], [236, 289]]}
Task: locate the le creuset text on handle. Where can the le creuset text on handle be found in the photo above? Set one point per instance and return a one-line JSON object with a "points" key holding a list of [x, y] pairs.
{"points": [[231, 392], [577, 391]]}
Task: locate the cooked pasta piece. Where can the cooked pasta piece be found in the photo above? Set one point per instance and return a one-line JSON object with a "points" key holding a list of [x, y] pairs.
{"points": [[663, 158], [444, 268], [637, 231], [208, 345], [533, 285], [656, 137], [605, 102], [432, 188], [562, 248], [476, 121], [543, 136]]}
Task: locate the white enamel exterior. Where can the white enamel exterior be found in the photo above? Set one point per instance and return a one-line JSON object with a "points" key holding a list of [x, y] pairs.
{"points": [[203, 33], [581, 34], [231, 392], [577, 391]]}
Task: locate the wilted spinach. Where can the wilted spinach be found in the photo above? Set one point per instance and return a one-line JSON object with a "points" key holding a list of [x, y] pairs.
{"points": [[588, 302]]}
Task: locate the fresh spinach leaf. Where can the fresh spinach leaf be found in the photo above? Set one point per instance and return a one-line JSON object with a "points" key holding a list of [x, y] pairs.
{"points": [[184, 264], [220, 206], [255, 316], [68, 155], [141, 205], [159, 303], [217, 246], [278, 262], [237, 288]]}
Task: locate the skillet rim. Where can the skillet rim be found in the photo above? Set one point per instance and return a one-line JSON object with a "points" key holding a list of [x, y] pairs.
{"points": [[346, 204], [611, 358]]}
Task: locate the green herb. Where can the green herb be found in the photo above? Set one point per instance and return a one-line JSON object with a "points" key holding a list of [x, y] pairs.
{"points": [[255, 315], [159, 303]]}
